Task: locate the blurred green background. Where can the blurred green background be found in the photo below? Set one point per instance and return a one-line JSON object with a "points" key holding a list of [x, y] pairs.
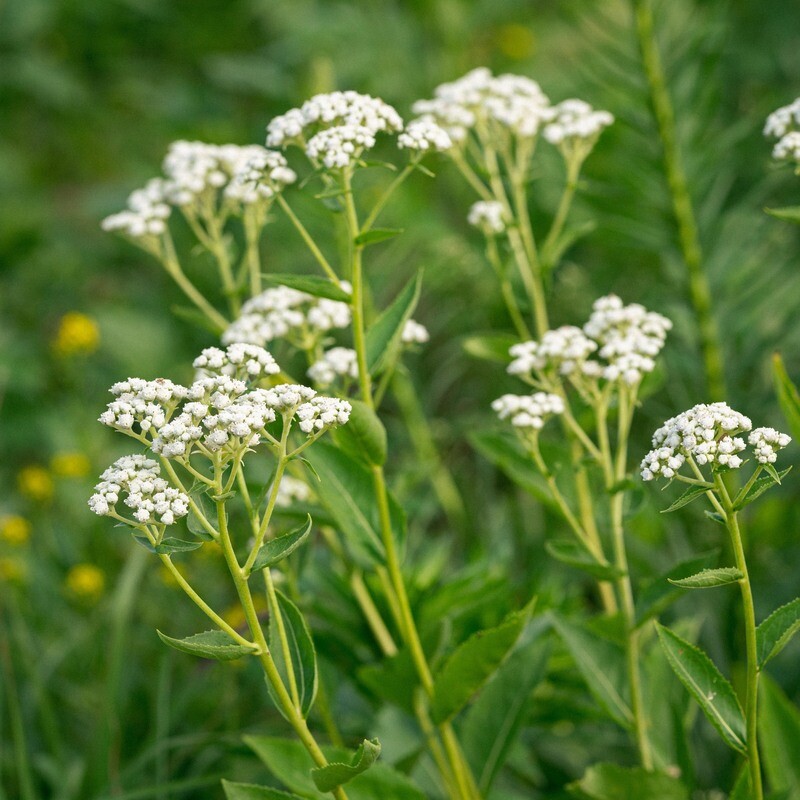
{"points": [[91, 95]]}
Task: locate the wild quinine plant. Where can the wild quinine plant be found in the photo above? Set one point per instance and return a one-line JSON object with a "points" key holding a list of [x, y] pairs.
{"points": [[246, 440]]}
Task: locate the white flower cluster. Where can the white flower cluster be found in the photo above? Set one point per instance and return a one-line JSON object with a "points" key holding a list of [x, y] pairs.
{"points": [[146, 215], [424, 135], [340, 146], [513, 102], [292, 490], [245, 175], [239, 360], [336, 362], [414, 333], [284, 312], [564, 349], [784, 125], [488, 216], [148, 494], [528, 412], [146, 403], [705, 433], [322, 413], [575, 121], [766, 442], [334, 109], [626, 338]]}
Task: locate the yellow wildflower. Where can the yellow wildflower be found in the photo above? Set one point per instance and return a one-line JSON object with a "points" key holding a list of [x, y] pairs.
{"points": [[516, 41], [77, 333], [85, 582], [70, 465], [14, 529], [12, 570], [35, 483]]}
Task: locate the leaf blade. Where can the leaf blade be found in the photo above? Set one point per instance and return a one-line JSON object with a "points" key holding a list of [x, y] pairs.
{"points": [[336, 774], [212, 644], [709, 578], [275, 550], [774, 633]]}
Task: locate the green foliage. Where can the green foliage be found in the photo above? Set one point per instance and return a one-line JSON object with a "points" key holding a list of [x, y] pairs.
{"points": [[576, 555], [209, 644], [779, 735], [335, 774], [744, 498], [249, 791], [612, 782], [273, 551], [318, 287], [775, 632], [709, 578], [788, 395], [364, 435]]}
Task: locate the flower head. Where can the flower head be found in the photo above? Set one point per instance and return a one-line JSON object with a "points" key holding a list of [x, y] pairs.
{"points": [[424, 135], [528, 412], [488, 216], [575, 121], [239, 360], [77, 333], [336, 362], [147, 404], [766, 442], [414, 333], [322, 413]]}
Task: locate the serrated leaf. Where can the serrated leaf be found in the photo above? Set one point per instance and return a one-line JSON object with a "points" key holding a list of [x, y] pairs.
{"points": [[757, 489], [472, 663], [310, 284], [774, 633], [329, 778], [490, 346], [493, 721], [706, 684], [691, 494], [172, 545], [788, 395], [576, 555], [779, 738], [602, 665], [659, 593], [384, 336], [250, 791], [364, 435], [376, 235], [613, 782], [788, 214], [209, 644], [347, 490], [275, 550], [708, 578], [140, 538], [301, 652]]}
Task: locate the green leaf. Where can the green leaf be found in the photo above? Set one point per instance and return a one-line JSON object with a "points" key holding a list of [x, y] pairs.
{"points": [[779, 737], [289, 762], [576, 555], [660, 593], [788, 214], [492, 723], [553, 254], [774, 633], [209, 644], [613, 782], [757, 489], [706, 684], [506, 453], [301, 652], [602, 665], [202, 501], [709, 578], [490, 346], [692, 493], [384, 337], [376, 235], [471, 664], [310, 284], [364, 435], [172, 545], [249, 791], [329, 778], [347, 490], [196, 318], [275, 550], [788, 395]]}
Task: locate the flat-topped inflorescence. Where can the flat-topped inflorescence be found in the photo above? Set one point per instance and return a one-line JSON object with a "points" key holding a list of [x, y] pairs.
{"points": [[784, 125], [528, 412], [488, 216], [239, 360], [338, 362]]}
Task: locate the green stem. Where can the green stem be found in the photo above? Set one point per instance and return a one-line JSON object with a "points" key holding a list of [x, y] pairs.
{"points": [[277, 618], [372, 615], [493, 256], [699, 290], [251, 232], [751, 694], [564, 205], [387, 194], [224, 263], [310, 243]]}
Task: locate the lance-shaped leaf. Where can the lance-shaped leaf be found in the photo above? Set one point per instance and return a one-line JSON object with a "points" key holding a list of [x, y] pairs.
{"points": [[377, 235], [576, 555], [490, 346], [310, 284], [250, 791], [329, 778], [774, 633], [202, 501], [613, 782], [471, 664], [209, 644], [788, 214], [602, 665], [708, 578], [384, 337], [364, 435], [301, 652], [170, 545], [779, 737], [746, 496], [275, 550], [788, 395], [706, 684], [691, 494]]}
